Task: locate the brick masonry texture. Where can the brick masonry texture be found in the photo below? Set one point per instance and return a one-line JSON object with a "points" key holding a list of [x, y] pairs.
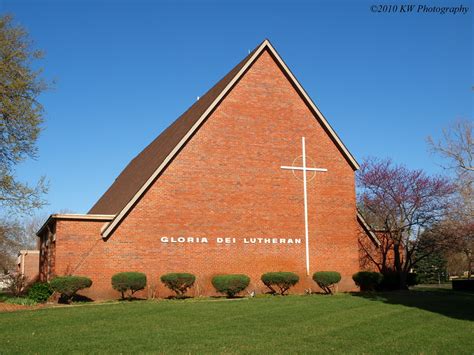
{"points": [[227, 182]]}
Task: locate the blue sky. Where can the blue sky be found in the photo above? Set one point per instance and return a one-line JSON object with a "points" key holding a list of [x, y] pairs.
{"points": [[124, 70]]}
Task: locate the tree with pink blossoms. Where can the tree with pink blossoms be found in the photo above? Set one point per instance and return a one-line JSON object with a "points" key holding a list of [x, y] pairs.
{"points": [[402, 205]]}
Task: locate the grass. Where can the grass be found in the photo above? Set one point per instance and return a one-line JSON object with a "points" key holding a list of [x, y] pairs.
{"points": [[423, 321]]}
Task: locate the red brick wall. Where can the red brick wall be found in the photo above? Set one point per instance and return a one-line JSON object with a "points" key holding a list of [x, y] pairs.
{"points": [[369, 253], [227, 182], [377, 258]]}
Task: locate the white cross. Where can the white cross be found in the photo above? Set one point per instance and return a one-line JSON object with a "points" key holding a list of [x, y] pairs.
{"points": [[305, 169]]}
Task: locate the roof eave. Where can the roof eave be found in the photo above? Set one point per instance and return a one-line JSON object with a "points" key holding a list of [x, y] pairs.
{"points": [[74, 216]]}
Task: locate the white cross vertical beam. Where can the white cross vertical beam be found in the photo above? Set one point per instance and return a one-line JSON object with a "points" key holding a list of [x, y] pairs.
{"points": [[305, 169], [306, 228]]}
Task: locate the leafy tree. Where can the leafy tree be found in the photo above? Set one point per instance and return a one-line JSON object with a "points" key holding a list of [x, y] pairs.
{"points": [[401, 204], [432, 269], [21, 115]]}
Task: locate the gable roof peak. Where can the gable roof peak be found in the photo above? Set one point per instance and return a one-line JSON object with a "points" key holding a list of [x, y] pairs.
{"points": [[142, 171]]}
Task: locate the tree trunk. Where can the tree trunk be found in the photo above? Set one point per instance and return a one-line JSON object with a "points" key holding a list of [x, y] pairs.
{"points": [[398, 267], [469, 264]]}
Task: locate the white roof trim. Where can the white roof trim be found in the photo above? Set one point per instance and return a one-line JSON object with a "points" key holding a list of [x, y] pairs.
{"points": [[310, 102], [368, 229], [83, 216], [108, 229]]}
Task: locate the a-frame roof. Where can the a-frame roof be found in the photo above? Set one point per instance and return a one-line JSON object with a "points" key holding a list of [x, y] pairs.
{"points": [[146, 166]]}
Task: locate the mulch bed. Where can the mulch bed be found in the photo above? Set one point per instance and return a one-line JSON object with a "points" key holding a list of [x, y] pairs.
{"points": [[7, 307]]}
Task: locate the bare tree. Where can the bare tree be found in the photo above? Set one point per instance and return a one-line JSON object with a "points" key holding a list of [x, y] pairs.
{"points": [[458, 228], [456, 145], [16, 235], [9, 247], [456, 263]]}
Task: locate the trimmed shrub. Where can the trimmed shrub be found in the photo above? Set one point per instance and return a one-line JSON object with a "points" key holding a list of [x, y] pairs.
{"points": [[230, 284], [281, 280], [327, 280], [40, 292], [68, 286], [367, 280], [128, 281], [178, 282]]}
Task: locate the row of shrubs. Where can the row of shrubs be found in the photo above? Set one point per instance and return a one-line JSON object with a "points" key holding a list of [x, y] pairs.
{"points": [[229, 284], [127, 283]]}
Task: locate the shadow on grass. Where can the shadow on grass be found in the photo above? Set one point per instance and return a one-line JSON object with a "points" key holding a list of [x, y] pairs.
{"points": [[181, 297], [131, 299], [74, 299], [449, 303]]}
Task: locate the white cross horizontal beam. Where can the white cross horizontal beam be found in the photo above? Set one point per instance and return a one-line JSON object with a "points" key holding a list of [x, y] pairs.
{"points": [[305, 195], [302, 168]]}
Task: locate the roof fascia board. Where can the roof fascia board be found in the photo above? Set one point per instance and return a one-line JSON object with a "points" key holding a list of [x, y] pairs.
{"points": [[310, 102], [73, 216], [100, 217], [368, 229]]}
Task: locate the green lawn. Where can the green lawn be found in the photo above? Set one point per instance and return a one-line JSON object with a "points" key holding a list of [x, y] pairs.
{"points": [[422, 321]]}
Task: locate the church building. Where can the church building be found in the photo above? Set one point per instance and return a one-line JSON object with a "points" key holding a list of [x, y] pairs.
{"points": [[250, 179]]}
